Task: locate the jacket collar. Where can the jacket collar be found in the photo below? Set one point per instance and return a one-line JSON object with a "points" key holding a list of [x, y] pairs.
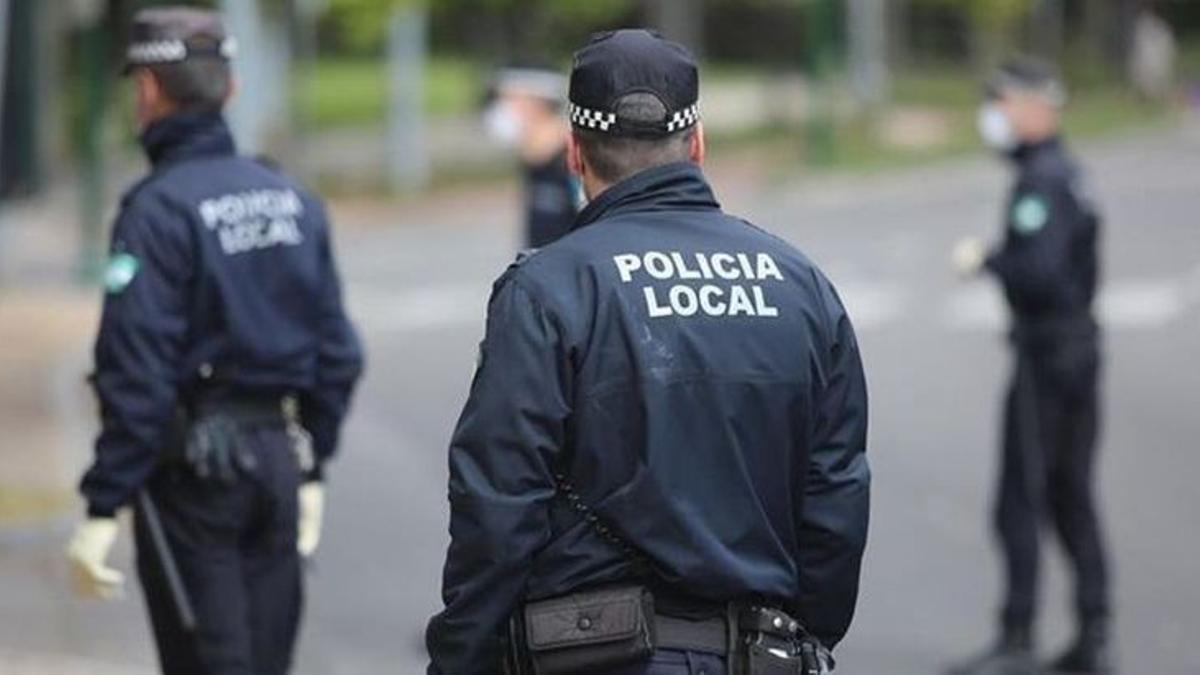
{"points": [[1027, 152], [671, 187], [187, 135]]}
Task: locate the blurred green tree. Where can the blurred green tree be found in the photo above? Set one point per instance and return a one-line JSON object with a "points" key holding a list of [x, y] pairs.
{"points": [[361, 24], [993, 25]]}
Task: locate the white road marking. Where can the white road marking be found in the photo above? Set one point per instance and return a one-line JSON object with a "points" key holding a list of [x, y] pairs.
{"points": [[414, 309], [1128, 304], [1141, 304], [872, 305]]}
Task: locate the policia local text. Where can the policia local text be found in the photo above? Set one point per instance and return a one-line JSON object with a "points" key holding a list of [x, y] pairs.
{"points": [[711, 299]]}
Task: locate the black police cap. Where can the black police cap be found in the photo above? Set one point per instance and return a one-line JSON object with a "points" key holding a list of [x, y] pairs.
{"points": [[1025, 75], [174, 34], [618, 67]]}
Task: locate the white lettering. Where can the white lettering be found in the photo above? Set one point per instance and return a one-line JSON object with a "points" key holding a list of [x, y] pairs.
{"points": [[767, 267], [627, 264], [711, 308], [747, 270], [722, 264], [705, 269], [658, 265], [761, 308], [656, 311], [739, 302], [683, 300], [681, 267]]}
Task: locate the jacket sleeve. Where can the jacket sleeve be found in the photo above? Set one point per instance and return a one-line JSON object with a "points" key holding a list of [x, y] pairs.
{"points": [[836, 504], [339, 362], [501, 482], [1034, 262], [138, 349]]}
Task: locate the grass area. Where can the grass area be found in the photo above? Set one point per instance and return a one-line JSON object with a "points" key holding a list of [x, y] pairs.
{"points": [[350, 92], [1096, 111]]}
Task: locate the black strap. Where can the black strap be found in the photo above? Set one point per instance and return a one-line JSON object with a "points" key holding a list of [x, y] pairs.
{"points": [[639, 560]]}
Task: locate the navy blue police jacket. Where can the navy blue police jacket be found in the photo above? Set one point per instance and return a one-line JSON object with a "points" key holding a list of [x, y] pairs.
{"points": [[1047, 262], [698, 383], [221, 274]]}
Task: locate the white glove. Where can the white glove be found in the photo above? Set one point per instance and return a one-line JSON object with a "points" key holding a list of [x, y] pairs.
{"points": [[311, 499], [968, 256], [87, 552]]}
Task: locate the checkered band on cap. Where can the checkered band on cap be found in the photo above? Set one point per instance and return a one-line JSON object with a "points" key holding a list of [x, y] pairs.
{"points": [[172, 51], [159, 51], [606, 121], [683, 119], [591, 119]]}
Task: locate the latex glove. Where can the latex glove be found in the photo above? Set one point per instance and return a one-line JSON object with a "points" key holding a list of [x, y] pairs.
{"points": [[312, 512], [87, 552], [968, 256]]}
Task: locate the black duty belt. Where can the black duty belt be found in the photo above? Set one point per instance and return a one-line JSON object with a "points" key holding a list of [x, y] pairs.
{"points": [[710, 636], [241, 408]]}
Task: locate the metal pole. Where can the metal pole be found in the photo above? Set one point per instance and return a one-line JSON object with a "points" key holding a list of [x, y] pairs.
{"points": [[867, 32], [408, 152], [821, 27], [4, 25], [91, 203]]}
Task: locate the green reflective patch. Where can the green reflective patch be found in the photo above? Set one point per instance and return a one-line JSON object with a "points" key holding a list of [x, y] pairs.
{"points": [[1030, 214], [121, 269]]}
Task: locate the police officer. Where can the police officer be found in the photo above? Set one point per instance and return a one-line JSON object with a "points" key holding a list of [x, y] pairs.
{"points": [[224, 366], [524, 109], [1047, 265], [664, 443]]}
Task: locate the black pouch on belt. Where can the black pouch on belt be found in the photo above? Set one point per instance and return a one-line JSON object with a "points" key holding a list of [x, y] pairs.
{"points": [[591, 631]]}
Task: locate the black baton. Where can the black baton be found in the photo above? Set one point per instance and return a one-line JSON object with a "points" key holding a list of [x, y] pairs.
{"points": [[183, 604]]}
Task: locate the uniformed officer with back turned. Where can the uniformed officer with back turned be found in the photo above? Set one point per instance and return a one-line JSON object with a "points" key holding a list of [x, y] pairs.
{"points": [[661, 465], [224, 366], [1047, 264]]}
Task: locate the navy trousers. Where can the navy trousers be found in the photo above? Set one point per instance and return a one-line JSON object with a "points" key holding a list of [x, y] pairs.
{"points": [[671, 662], [235, 546], [1052, 418]]}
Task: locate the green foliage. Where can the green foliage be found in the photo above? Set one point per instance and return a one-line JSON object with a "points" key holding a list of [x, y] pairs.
{"points": [[361, 24], [992, 14]]}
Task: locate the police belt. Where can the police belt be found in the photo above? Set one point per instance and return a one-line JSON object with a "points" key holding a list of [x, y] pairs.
{"points": [[1037, 330], [242, 408]]}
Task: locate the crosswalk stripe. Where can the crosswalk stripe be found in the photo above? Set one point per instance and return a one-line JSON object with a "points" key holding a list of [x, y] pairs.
{"points": [[1128, 304]]}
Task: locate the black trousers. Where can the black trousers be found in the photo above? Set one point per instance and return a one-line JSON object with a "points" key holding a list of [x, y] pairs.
{"points": [[1052, 418], [236, 551]]}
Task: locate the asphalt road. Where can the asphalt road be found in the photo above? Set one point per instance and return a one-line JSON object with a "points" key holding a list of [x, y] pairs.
{"points": [[936, 366]]}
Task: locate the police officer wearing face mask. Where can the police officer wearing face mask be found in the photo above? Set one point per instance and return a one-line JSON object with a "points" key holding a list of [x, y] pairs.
{"points": [[224, 366], [661, 465], [524, 110], [1047, 264]]}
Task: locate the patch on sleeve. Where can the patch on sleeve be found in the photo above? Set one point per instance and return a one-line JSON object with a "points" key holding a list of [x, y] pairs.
{"points": [[120, 271], [1030, 214]]}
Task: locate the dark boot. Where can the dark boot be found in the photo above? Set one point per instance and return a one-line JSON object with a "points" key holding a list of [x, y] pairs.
{"points": [[1012, 655], [1090, 653]]}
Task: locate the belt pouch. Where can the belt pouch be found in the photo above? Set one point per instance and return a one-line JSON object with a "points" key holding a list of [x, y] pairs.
{"points": [[590, 631]]}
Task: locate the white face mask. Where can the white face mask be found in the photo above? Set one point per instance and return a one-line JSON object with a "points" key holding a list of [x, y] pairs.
{"points": [[503, 124], [995, 128]]}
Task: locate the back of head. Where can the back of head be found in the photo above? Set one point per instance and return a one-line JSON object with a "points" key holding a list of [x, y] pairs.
{"points": [[188, 52], [633, 103]]}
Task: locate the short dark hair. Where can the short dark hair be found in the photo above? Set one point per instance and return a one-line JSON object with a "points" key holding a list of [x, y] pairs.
{"points": [[615, 158], [195, 84]]}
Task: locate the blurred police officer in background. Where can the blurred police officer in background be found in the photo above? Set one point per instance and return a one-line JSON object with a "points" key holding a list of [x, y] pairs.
{"points": [[1047, 264], [524, 110], [661, 466], [224, 366]]}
